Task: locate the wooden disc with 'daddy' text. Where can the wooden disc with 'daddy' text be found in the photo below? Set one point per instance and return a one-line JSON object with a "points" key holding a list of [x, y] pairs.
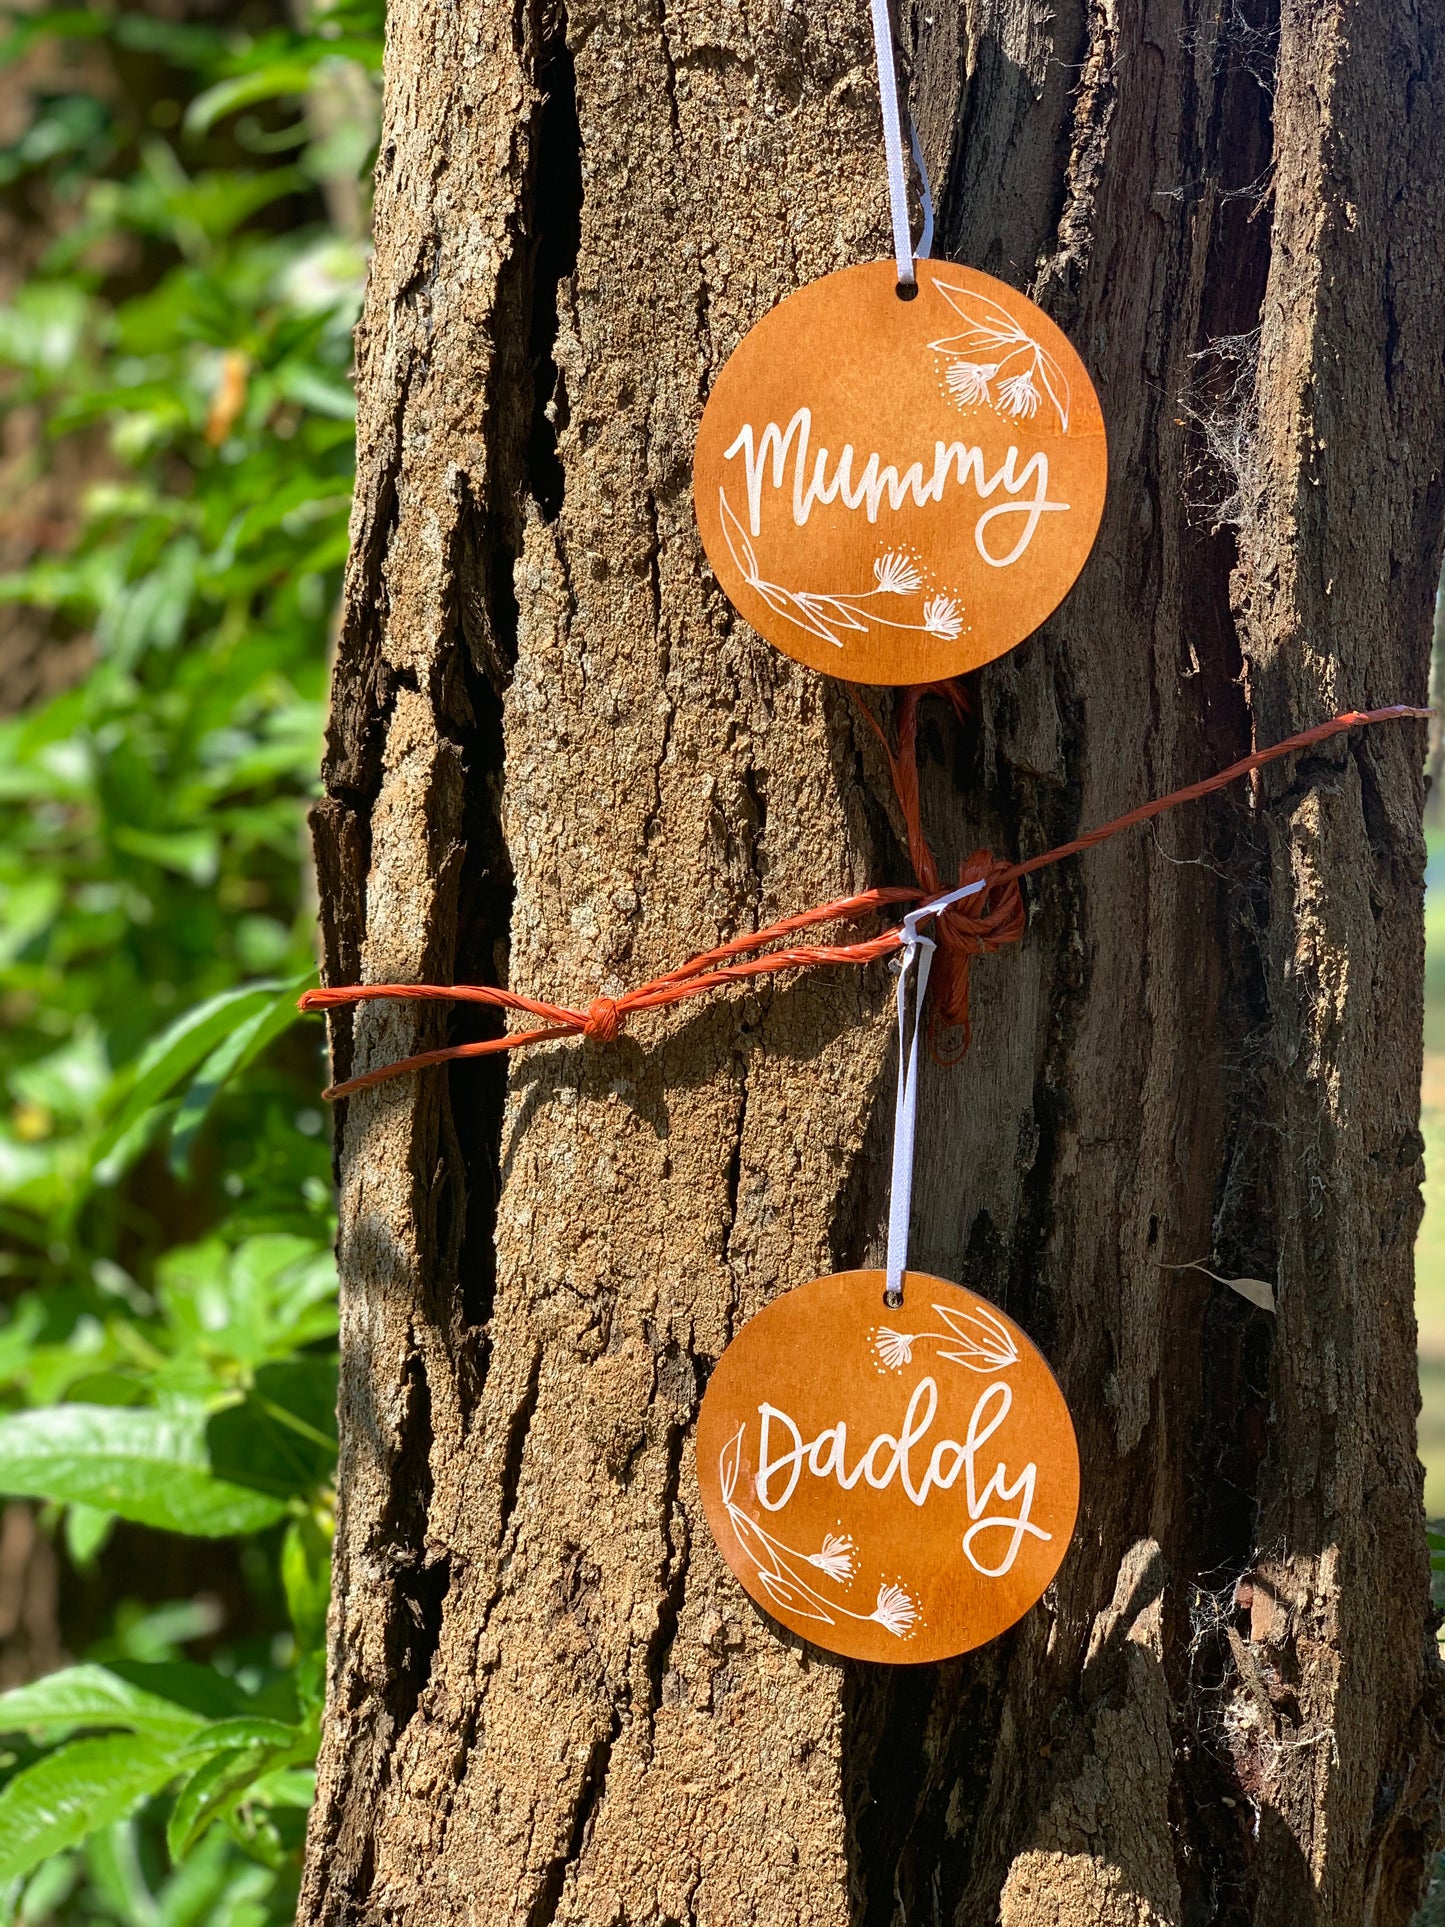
{"points": [[897, 491], [892, 1484]]}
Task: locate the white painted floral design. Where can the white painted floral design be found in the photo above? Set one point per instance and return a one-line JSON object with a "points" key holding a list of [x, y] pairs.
{"points": [[896, 1610], [895, 1349], [896, 573], [993, 362], [978, 1340], [831, 618], [968, 380], [780, 1568], [837, 1556], [1018, 397], [941, 617]]}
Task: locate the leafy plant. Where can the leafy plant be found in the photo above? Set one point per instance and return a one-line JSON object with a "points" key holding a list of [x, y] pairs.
{"points": [[173, 368]]}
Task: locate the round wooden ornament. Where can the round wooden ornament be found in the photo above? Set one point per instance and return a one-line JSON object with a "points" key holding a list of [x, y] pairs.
{"points": [[895, 491], [892, 1484]]}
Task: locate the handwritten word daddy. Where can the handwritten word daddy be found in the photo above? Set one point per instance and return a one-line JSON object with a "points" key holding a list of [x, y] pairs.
{"points": [[888, 1457], [952, 461]]}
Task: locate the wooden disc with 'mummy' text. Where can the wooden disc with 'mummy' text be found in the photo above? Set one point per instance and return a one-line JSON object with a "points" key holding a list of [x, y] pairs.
{"points": [[897, 491], [893, 1484]]}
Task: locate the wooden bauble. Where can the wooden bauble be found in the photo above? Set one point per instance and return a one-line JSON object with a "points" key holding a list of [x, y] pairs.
{"points": [[892, 1484], [964, 431]]}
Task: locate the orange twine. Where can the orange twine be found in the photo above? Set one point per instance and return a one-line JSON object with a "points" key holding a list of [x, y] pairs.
{"points": [[966, 930], [978, 925]]}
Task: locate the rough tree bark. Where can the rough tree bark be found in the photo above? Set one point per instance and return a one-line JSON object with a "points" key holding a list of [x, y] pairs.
{"points": [[557, 759]]}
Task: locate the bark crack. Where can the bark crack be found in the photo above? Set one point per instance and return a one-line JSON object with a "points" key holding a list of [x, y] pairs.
{"points": [[670, 65], [543, 1911], [518, 1427], [418, 1582], [557, 228], [675, 1568], [1093, 114]]}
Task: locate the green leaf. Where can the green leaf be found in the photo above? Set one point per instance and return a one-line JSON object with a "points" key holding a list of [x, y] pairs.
{"points": [[87, 1528], [148, 1466], [189, 853], [151, 612], [47, 1889], [18, 1335], [273, 1294], [93, 1696], [287, 1786], [172, 1056], [114, 1870], [301, 384], [284, 78], [306, 1575], [234, 1756], [43, 330], [212, 1790], [198, 1689], [281, 1437], [245, 1730], [231, 1056], [107, 1388], [75, 1790]]}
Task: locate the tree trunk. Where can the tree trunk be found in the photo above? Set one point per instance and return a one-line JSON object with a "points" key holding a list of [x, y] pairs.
{"points": [[558, 761]]}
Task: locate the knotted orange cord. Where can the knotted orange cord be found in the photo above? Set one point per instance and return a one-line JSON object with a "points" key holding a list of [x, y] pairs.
{"points": [[978, 925]]}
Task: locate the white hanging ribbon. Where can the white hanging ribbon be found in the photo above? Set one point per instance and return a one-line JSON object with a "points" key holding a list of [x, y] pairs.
{"points": [[916, 949], [893, 152]]}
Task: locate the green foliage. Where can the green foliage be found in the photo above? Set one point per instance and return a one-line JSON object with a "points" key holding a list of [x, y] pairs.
{"points": [[177, 357], [147, 1465], [1435, 1539], [82, 1785]]}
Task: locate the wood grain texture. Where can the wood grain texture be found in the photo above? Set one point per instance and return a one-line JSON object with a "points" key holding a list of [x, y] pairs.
{"points": [[557, 759], [966, 482], [901, 1492]]}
